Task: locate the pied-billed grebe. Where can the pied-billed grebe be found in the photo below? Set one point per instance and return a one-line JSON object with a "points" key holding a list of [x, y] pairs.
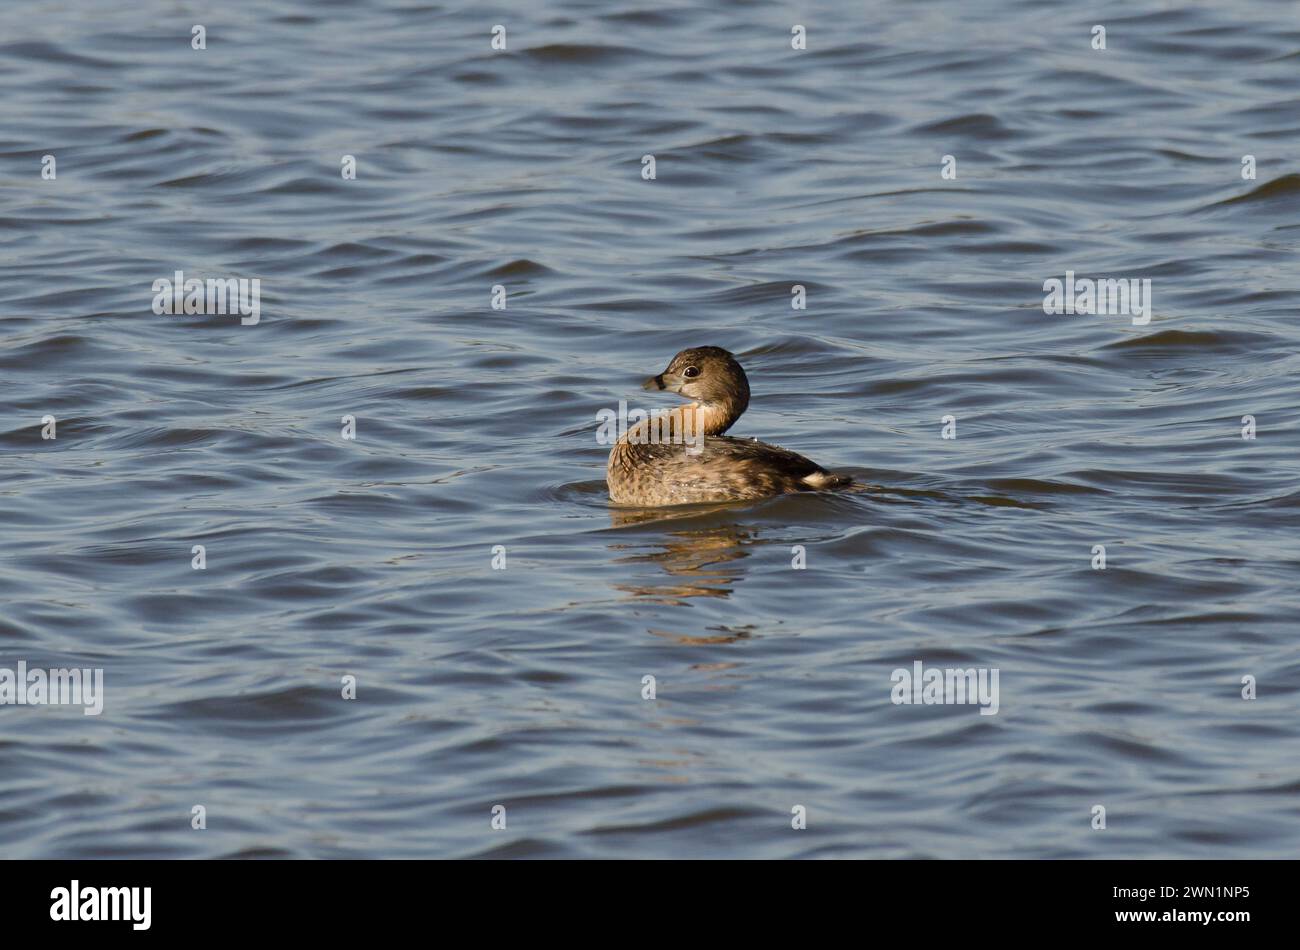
{"points": [[681, 457]]}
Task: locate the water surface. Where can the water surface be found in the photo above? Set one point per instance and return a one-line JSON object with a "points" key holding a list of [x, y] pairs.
{"points": [[476, 428]]}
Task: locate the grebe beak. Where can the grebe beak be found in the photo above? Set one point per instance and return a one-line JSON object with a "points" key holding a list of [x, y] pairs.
{"points": [[669, 381]]}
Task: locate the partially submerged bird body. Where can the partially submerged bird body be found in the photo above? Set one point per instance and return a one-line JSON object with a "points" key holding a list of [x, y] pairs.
{"points": [[681, 457]]}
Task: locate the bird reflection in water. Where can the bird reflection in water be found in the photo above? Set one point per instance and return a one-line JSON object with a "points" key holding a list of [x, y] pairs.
{"points": [[699, 561]]}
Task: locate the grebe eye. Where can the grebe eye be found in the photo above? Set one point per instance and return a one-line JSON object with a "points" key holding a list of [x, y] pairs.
{"points": [[691, 372]]}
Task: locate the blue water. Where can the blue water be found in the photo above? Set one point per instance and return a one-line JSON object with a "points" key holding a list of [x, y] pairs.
{"points": [[475, 427]]}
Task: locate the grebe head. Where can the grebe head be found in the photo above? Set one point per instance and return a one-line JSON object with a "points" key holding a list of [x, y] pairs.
{"points": [[708, 374]]}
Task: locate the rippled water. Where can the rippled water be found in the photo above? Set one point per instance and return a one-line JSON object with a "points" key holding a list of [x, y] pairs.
{"points": [[476, 427]]}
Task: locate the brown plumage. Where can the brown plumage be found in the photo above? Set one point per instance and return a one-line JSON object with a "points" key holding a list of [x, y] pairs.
{"points": [[681, 457]]}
